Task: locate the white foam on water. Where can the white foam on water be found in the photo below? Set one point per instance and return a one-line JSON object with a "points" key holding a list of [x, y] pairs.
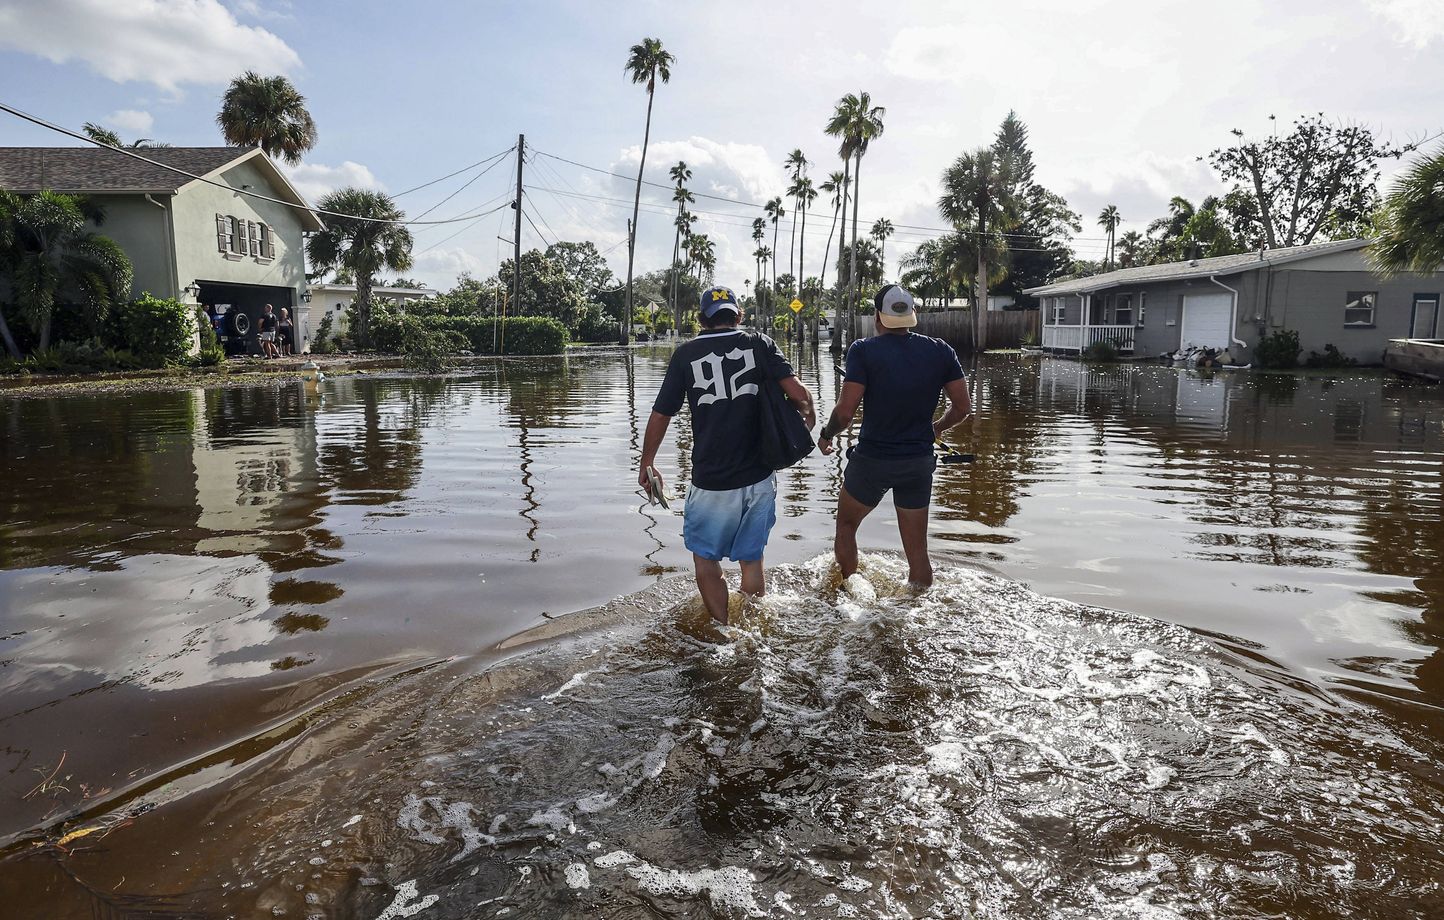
{"points": [[576, 681], [591, 804], [354, 819], [613, 859], [453, 816], [577, 876], [554, 818], [402, 907], [728, 889]]}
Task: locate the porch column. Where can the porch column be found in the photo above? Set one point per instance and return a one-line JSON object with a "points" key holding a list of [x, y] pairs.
{"points": [[1085, 302]]}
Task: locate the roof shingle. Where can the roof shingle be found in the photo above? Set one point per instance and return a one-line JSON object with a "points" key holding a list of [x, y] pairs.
{"points": [[102, 169]]}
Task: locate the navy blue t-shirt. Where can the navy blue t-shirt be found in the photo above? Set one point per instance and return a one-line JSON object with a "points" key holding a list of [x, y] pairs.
{"points": [[904, 376], [717, 374]]}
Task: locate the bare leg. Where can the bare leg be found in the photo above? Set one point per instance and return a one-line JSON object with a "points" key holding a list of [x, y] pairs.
{"points": [[850, 513], [754, 579], [912, 524], [712, 587]]}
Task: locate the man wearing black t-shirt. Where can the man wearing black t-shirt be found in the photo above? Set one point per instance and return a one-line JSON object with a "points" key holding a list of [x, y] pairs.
{"points": [[732, 502], [897, 376]]}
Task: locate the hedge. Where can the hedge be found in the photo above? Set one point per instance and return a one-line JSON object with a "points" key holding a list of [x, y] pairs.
{"points": [[157, 331], [523, 335]]}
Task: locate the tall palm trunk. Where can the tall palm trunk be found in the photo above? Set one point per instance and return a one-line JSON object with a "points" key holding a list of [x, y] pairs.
{"points": [[9, 339], [852, 270], [361, 312], [980, 337], [801, 268], [772, 291], [676, 254], [45, 332], [625, 338], [839, 310]]}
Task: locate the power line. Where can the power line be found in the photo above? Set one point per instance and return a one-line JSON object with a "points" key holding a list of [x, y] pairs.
{"points": [[221, 185], [457, 173], [535, 227], [469, 223], [463, 188]]}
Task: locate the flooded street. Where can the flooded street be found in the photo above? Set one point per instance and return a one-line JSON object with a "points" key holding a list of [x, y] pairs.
{"points": [[264, 654]]}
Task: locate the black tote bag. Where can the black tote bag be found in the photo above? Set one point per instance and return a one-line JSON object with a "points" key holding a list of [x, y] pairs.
{"points": [[783, 439]]}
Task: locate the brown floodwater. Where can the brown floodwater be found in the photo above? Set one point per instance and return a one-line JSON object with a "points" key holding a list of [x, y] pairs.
{"points": [[417, 647]]}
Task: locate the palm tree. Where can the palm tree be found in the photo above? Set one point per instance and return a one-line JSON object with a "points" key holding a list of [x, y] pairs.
{"points": [[47, 253], [1411, 222], [857, 122], [1109, 220], [977, 198], [267, 112], [110, 139], [680, 174], [645, 63], [775, 212], [806, 195], [836, 186], [1131, 249], [370, 240], [796, 162], [881, 230]]}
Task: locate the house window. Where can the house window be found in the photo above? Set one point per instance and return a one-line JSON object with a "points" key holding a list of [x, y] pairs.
{"points": [[1123, 310], [1142, 308], [1058, 311], [255, 239], [1359, 308], [267, 244], [225, 233], [243, 239]]}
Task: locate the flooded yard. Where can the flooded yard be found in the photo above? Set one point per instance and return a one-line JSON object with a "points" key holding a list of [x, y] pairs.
{"points": [[271, 654]]}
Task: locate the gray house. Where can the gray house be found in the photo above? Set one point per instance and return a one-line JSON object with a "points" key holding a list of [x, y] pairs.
{"points": [[1324, 291], [187, 239]]}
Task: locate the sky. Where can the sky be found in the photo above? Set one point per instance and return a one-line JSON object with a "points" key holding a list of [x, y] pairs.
{"points": [[1121, 99]]}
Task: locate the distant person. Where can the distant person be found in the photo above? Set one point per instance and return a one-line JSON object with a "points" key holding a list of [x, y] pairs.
{"points": [[286, 333], [732, 502], [268, 326], [897, 377]]}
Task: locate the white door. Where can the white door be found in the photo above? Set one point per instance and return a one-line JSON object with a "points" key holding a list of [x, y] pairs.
{"points": [[1426, 318], [1206, 320]]}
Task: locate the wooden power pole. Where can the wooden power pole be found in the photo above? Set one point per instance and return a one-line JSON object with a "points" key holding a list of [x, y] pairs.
{"points": [[516, 239]]}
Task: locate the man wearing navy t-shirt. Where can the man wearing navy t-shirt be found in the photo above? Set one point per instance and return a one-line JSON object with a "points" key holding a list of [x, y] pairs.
{"points": [[897, 377], [732, 502]]}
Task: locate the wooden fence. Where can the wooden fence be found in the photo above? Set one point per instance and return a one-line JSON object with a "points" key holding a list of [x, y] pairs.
{"points": [[1006, 328]]}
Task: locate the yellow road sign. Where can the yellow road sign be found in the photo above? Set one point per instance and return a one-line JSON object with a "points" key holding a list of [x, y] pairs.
{"points": [[796, 305]]}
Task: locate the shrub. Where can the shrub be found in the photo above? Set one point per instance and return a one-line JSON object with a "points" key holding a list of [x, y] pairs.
{"points": [[87, 357], [156, 330], [1279, 349], [518, 335], [322, 343], [594, 325], [1331, 357], [426, 348], [534, 335], [1103, 351], [211, 352]]}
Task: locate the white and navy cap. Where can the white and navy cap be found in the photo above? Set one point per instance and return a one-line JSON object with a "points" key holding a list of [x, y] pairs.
{"points": [[895, 307]]}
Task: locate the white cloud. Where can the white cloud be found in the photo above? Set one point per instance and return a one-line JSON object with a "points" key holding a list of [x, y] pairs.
{"points": [[316, 180], [168, 43], [440, 268], [1418, 22], [131, 120]]}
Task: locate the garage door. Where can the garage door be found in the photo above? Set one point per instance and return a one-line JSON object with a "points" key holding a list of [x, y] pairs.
{"points": [[1206, 320]]}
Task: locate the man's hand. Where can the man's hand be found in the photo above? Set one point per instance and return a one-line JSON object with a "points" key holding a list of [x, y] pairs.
{"points": [[825, 445]]}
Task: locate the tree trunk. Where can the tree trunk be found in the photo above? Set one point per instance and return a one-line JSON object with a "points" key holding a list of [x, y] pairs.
{"points": [[10, 345], [772, 291], [626, 336], [676, 254], [840, 308], [801, 269], [980, 337], [853, 304], [45, 331], [361, 311]]}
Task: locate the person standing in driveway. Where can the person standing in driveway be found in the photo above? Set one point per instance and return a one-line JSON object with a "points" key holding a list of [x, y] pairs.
{"points": [[897, 377], [731, 504]]}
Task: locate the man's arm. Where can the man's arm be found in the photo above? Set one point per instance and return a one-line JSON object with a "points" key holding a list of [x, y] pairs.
{"points": [[651, 442], [842, 414], [800, 398], [960, 406]]}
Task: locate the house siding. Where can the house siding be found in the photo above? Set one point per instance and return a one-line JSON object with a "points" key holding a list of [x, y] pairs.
{"points": [[197, 258], [1311, 302], [139, 228]]}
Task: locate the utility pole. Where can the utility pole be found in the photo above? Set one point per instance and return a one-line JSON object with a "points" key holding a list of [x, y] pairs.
{"points": [[516, 238]]}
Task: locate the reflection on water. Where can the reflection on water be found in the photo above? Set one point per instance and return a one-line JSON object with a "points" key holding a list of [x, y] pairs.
{"points": [[184, 576]]}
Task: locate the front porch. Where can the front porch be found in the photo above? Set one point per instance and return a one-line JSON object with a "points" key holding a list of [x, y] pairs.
{"points": [[1072, 324]]}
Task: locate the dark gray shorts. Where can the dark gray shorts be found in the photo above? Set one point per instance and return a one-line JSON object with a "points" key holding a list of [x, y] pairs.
{"points": [[868, 479]]}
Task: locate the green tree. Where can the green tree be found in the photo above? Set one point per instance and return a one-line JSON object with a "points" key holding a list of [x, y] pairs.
{"points": [[868, 261], [806, 195], [1109, 219], [548, 288], [1039, 246], [775, 212], [48, 254], [881, 230], [646, 62], [836, 186], [797, 163], [368, 240], [1410, 226], [1321, 175], [681, 174], [978, 198], [267, 112], [1132, 249], [110, 139], [584, 265], [857, 122]]}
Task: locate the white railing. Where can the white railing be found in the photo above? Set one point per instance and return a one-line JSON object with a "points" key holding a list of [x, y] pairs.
{"points": [[1120, 336], [1067, 338], [1077, 338]]}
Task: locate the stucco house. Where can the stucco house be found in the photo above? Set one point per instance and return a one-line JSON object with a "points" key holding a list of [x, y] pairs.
{"points": [[337, 299], [187, 239], [1324, 291]]}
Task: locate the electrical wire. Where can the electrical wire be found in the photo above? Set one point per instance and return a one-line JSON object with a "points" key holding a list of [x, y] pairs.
{"points": [[423, 185], [463, 188], [221, 185], [468, 226]]}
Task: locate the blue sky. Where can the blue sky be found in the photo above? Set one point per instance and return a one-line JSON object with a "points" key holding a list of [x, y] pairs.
{"points": [[1121, 97]]}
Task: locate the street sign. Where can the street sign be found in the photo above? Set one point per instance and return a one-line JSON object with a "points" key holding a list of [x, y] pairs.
{"points": [[796, 305]]}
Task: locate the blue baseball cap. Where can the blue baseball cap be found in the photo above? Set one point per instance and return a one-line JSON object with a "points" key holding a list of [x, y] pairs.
{"points": [[719, 298]]}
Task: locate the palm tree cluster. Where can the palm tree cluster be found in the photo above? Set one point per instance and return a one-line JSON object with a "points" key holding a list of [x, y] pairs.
{"points": [[856, 122], [370, 240], [647, 62], [1410, 225], [267, 112]]}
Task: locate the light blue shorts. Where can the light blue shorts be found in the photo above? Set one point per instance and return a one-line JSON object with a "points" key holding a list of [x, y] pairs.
{"points": [[734, 523]]}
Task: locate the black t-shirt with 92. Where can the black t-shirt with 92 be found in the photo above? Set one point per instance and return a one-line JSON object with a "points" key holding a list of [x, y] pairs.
{"points": [[717, 374]]}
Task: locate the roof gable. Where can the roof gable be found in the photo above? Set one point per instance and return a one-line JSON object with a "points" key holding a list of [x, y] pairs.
{"points": [[1198, 268], [97, 170]]}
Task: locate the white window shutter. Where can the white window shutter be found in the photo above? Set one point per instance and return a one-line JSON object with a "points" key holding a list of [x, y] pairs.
{"points": [[254, 237], [243, 245], [221, 227]]}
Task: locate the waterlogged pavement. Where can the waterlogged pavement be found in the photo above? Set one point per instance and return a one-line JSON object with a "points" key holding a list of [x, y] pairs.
{"points": [[267, 655]]}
